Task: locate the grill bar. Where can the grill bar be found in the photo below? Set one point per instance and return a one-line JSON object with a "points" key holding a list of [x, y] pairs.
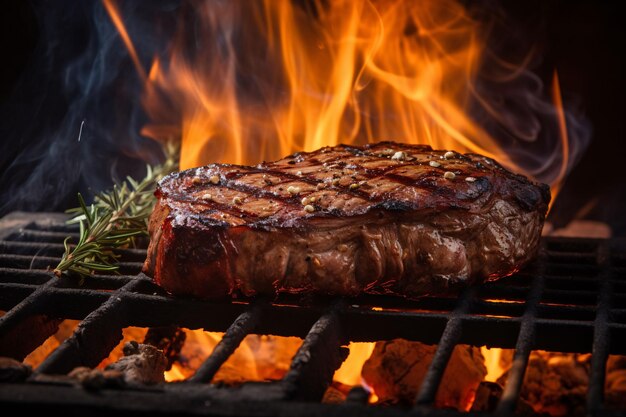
{"points": [[241, 327], [573, 299], [601, 340], [46, 262], [34, 235], [449, 339], [317, 359], [525, 342]]}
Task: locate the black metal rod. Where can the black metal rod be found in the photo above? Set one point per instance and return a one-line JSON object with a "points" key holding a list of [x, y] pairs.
{"points": [[525, 341], [31, 248], [241, 327], [31, 262], [42, 236], [317, 359], [24, 276], [28, 261], [449, 339], [18, 247], [601, 337], [13, 294]]}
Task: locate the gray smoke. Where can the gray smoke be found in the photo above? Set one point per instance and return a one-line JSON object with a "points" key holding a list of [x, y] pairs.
{"points": [[71, 123], [515, 104]]}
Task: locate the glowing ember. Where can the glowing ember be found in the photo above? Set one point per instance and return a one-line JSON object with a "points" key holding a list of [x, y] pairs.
{"points": [[258, 358], [350, 371], [493, 362], [198, 346]]}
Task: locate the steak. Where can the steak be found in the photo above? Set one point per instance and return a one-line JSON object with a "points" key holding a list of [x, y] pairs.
{"points": [[384, 218]]}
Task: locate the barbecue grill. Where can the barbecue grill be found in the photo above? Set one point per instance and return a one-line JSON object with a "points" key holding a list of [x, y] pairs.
{"points": [[572, 298]]}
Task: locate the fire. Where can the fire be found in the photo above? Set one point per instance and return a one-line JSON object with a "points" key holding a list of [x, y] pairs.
{"points": [[350, 371], [116, 18], [258, 358], [198, 346], [258, 81], [558, 103], [493, 363], [354, 60]]}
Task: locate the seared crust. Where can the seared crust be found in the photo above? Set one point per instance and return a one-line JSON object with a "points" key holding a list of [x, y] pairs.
{"points": [[343, 220]]}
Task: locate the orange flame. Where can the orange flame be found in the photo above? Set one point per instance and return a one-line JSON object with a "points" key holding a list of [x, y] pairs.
{"points": [[302, 77], [113, 11], [558, 103], [493, 363], [349, 372], [353, 60]]}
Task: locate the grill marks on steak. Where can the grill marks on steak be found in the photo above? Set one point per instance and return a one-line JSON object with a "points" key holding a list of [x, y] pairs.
{"points": [[380, 223], [410, 184]]}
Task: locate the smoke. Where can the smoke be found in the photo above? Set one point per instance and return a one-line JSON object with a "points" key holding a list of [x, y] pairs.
{"points": [[72, 120], [514, 98]]}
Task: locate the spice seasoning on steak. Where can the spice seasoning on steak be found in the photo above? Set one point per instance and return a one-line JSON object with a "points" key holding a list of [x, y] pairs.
{"points": [[408, 227]]}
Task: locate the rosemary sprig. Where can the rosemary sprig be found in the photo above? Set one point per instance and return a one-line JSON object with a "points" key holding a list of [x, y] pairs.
{"points": [[114, 220]]}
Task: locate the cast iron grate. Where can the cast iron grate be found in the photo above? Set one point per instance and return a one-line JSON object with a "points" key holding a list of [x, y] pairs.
{"points": [[571, 299]]}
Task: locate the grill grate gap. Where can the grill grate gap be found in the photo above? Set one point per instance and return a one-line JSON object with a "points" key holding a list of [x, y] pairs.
{"points": [[601, 339]]}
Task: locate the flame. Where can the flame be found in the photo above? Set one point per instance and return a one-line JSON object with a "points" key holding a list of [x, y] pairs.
{"points": [[560, 113], [349, 372], [258, 81], [198, 346], [114, 13], [357, 61], [258, 358], [493, 362]]}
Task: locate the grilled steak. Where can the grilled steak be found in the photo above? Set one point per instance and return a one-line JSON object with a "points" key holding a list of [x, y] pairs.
{"points": [[382, 218]]}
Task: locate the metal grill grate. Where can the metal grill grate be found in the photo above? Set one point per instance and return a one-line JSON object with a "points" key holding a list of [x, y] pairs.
{"points": [[571, 299]]}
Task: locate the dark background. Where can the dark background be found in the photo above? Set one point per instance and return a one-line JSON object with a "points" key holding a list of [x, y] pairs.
{"points": [[583, 40]]}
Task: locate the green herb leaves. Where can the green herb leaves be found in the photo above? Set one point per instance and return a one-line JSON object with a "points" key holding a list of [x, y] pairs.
{"points": [[114, 220]]}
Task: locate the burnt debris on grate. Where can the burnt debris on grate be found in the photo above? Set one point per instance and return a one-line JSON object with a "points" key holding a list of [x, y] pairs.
{"points": [[571, 299]]}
